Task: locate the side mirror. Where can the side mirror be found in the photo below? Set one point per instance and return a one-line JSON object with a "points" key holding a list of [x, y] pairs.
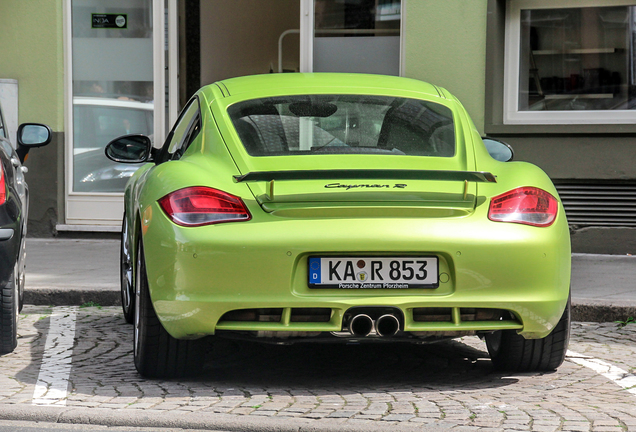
{"points": [[34, 135], [134, 148], [499, 150], [31, 135]]}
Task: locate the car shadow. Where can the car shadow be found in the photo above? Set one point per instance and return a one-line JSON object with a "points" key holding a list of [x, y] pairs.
{"points": [[443, 365], [103, 367]]}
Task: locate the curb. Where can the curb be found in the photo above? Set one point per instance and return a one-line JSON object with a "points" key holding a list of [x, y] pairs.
{"points": [[71, 297], [595, 311], [148, 418], [582, 310]]}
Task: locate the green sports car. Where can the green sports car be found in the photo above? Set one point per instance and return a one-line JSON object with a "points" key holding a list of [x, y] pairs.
{"points": [[338, 208]]}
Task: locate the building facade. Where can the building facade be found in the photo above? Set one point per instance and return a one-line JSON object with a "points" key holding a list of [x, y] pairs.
{"points": [[525, 70]]}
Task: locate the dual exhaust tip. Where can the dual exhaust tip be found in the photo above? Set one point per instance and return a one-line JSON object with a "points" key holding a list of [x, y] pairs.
{"points": [[362, 325]]}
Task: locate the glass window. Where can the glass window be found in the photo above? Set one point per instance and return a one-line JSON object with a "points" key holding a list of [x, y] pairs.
{"points": [[112, 89], [357, 36], [183, 133], [3, 131], [572, 64], [344, 124], [96, 122]]}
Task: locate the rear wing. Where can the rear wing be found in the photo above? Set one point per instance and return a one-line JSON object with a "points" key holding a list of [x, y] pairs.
{"points": [[367, 174]]}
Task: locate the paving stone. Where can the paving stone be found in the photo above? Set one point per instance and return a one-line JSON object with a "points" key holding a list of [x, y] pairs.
{"points": [[450, 385], [398, 417]]}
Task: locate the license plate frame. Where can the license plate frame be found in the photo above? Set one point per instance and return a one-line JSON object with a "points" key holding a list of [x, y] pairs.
{"points": [[373, 272]]}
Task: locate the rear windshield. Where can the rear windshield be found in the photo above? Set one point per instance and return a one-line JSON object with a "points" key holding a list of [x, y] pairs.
{"points": [[344, 124]]}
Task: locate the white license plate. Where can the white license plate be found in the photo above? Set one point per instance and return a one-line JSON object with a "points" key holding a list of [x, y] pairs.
{"points": [[373, 272]]}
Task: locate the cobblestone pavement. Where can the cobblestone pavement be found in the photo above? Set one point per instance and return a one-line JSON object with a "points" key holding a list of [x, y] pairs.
{"points": [[448, 385]]}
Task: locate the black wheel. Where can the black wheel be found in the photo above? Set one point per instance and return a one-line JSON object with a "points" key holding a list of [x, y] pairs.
{"points": [[126, 275], [9, 309], [511, 352], [156, 353]]}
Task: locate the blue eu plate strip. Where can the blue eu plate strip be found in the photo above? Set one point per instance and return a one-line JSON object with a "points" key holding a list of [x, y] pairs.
{"points": [[314, 271]]}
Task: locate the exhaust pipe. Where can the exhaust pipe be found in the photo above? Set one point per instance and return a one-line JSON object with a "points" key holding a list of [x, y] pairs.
{"points": [[387, 325], [361, 325]]}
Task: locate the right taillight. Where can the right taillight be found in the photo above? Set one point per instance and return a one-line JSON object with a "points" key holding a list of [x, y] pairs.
{"points": [[524, 205], [3, 186], [199, 205]]}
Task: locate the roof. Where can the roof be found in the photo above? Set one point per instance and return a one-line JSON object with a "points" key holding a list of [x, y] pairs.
{"points": [[321, 82]]}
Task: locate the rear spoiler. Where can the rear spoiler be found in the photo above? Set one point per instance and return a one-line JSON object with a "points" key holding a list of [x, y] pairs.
{"points": [[367, 174]]}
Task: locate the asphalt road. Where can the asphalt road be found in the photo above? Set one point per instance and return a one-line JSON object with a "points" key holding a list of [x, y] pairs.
{"points": [[74, 366]]}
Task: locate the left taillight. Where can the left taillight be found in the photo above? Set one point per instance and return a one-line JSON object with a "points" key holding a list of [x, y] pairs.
{"points": [[196, 206], [525, 205], [3, 186]]}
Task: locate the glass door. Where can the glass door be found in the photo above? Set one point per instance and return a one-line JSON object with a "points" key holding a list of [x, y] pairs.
{"points": [[351, 36], [113, 89]]}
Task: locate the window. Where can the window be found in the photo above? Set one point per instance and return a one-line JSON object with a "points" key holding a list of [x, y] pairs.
{"points": [[357, 36], [344, 124], [183, 133], [570, 65], [3, 131]]}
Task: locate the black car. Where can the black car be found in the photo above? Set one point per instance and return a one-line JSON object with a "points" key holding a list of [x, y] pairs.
{"points": [[14, 204]]}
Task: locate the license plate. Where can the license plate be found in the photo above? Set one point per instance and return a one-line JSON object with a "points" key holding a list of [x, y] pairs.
{"points": [[373, 272]]}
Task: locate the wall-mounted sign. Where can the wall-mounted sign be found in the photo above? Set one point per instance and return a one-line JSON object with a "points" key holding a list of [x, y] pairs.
{"points": [[109, 21]]}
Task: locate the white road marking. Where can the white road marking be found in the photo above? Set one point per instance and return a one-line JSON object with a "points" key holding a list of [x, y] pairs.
{"points": [[621, 377], [52, 385]]}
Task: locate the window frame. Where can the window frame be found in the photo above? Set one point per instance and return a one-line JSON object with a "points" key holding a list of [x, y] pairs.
{"points": [[512, 50]]}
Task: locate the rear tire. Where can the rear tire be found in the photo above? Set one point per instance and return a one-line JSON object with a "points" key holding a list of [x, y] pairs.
{"points": [[511, 352], [156, 353], [126, 275], [9, 310]]}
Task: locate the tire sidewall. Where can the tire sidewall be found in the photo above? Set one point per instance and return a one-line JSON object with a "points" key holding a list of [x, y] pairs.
{"points": [[138, 316], [127, 285], [9, 315]]}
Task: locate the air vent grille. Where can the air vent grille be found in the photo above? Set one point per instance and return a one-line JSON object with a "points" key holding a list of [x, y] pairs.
{"points": [[599, 203]]}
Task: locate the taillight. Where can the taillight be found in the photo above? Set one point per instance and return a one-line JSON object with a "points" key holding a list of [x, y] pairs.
{"points": [[3, 186], [196, 206], [525, 205]]}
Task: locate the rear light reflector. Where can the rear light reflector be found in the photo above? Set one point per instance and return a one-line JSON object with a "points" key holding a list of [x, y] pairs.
{"points": [[525, 205], [3, 186], [199, 205]]}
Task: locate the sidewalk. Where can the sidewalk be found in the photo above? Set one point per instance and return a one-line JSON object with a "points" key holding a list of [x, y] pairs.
{"points": [[75, 272]]}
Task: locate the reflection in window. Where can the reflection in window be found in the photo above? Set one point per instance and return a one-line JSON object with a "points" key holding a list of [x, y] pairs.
{"points": [[344, 124], [356, 14], [577, 59], [112, 88], [357, 36]]}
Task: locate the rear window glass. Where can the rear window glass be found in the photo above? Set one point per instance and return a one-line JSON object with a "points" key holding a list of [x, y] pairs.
{"points": [[344, 124]]}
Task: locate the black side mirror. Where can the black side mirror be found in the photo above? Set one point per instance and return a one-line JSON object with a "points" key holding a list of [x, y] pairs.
{"points": [[499, 150], [31, 135], [135, 148]]}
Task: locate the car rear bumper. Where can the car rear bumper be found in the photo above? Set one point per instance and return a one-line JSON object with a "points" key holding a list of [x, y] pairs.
{"points": [[198, 275]]}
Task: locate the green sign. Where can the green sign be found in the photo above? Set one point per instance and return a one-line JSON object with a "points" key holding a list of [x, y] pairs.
{"points": [[109, 21]]}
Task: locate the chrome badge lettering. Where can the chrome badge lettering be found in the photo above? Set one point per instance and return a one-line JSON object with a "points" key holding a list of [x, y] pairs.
{"points": [[364, 186]]}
